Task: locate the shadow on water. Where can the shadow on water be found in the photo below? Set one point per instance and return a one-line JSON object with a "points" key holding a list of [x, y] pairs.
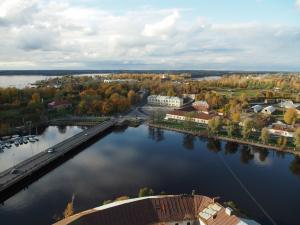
{"points": [[25, 183], [156, 134]]}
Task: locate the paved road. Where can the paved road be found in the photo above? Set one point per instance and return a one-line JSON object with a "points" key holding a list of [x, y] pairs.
{"points": [[35, 163]]}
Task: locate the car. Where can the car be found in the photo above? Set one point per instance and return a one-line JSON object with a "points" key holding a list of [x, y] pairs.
{"points": [[50, 150], [14, 171], [86, 134]]}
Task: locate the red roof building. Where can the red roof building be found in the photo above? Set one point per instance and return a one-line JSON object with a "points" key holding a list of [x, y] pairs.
{"points": [[155, 210], [59, 104]]}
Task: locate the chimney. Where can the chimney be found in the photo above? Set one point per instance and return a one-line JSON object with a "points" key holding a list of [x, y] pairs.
{"points": [[228, 211]]}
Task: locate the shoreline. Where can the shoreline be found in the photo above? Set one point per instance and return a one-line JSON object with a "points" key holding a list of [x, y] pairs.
{"points": [[236, 140]]}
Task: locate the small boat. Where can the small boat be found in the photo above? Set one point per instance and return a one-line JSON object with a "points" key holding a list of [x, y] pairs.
{"points": [[15, 136], [25, 141], [36, 138], [21, 141], [31, 140], [16, 143], [8, 145]]}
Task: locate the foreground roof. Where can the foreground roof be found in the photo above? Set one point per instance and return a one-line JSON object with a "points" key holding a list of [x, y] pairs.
{"points": [[156, 209]]}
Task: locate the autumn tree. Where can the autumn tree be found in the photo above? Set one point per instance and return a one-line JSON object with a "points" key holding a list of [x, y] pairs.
{"points": [[247, 128], [69, 211], [230, 128], [214, 125], [35, 98], [290, 116], [297, 138], [265, 135]]}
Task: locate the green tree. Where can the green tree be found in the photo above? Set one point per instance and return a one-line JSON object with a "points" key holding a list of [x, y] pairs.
{"points": [[265, 135], [143, 192]]}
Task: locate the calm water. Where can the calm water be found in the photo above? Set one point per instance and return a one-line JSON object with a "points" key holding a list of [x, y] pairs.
{"points": [[124, 161], [20, 81], [51, 136]]}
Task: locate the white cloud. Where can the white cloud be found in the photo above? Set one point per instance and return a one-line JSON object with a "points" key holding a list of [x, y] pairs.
{"points": [[57, 34], [162, 28], [298, 3]]}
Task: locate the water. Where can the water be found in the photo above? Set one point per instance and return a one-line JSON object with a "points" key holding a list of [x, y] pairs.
{"points": [[20, 81], [126, 160], [51, 136]]}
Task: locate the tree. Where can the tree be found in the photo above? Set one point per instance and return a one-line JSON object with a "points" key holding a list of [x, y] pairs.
{"points": [[143, 192], [265, 135], [36, 98], [247, 128], [69, 211], [290, 116], [230, 128], [297, 138], [214, 125], [235, 116], [281, 141], [131, 97], [189, 119]]}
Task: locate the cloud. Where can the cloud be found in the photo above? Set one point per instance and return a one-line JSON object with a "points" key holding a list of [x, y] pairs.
{"points": [[298, 4], [58, 34], [162, 28]]}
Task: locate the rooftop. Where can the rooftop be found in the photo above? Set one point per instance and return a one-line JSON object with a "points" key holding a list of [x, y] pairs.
{"points": [[155, 209]]}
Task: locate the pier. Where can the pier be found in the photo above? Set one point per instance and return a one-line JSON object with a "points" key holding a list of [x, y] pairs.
{"points": [[20, 172]]}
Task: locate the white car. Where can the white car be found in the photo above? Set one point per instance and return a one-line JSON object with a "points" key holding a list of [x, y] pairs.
{"points": [[50, 150]]}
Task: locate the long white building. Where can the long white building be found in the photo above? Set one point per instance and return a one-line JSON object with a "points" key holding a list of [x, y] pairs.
{"points": [[165, 101]]}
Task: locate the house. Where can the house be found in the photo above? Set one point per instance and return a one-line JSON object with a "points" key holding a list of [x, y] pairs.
{"points": [[63, 104], [257, 108], [282, 129], [268, 110], [157, 210], [183, 115], [201, 106], [165, 101], [289, 105]]}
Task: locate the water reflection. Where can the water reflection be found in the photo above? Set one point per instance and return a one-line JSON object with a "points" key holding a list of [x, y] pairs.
{"points": [[156, 134], [214, 145], [188, 141], [231, 147], [121, 163], [48, 137], [295, 166], [246, 154]]}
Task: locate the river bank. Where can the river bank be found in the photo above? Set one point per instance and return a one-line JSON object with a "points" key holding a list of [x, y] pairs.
{"points": [[204, 133]]}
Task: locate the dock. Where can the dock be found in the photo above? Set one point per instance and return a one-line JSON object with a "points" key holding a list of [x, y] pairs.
{"points": [[20, 172]]}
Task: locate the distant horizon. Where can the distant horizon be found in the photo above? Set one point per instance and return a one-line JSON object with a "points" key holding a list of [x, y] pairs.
{"points": [[250, 35]]}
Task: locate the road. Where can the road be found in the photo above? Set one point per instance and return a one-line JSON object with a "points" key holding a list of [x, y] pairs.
{"points": [[26, 168]]}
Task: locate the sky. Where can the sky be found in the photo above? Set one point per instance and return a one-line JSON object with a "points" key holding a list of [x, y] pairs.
{"points": [[150, 34]]}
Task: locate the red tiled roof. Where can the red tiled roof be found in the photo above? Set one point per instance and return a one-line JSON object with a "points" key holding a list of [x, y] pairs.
{"points": [[151, 211], [199, 115]]}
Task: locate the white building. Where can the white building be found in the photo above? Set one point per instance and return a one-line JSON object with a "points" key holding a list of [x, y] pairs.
{"points": [[268, 110], [199, 117], [165, 101], [257, 108], [289, 104], [281, 129]]}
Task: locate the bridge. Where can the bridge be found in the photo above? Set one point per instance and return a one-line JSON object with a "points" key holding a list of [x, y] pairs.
{"points": [[16, 174], [77, 121]]}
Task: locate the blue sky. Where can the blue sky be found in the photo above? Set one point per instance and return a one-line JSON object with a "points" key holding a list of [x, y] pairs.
{"points": [[156, 34]]}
